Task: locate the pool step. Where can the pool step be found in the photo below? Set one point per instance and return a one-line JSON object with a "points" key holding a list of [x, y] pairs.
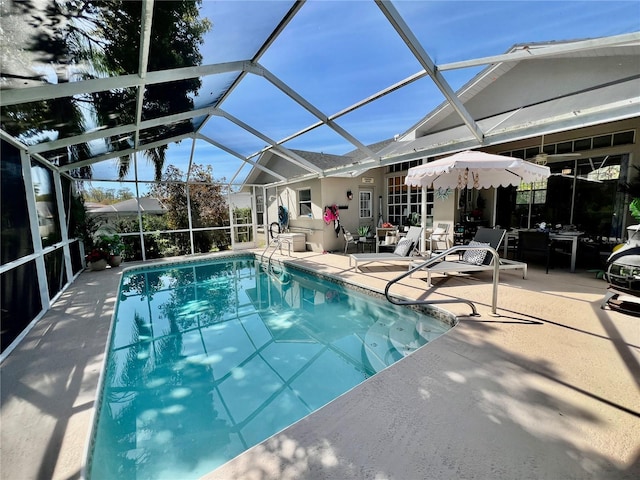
{"points": [[377, 348], [387, 342], [405, 337]]}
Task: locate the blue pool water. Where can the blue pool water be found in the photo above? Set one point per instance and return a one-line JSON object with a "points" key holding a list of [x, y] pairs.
{"points": [[207, 359]]}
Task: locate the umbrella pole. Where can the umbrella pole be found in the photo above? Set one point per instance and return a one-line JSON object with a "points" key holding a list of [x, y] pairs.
{"points": [[423, 219], [464, 205], [530, 203], [573, 190], [495, 206]]}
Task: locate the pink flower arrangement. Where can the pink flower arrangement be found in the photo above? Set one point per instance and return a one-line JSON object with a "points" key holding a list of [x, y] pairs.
{"points": [[97, 254]]}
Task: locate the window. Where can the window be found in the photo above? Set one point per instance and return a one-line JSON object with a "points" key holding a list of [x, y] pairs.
{"points": [[623, 138], [260, 209], [366, 205], [531, 152], [530, 204], [304, 202], [526, 190], [564, 147], [579, 145], [401, 167], [582, 144], [403, 201]]}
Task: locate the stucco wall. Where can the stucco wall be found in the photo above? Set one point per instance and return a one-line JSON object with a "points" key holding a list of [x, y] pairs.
{"points": [[334, 191], [321, 236]]}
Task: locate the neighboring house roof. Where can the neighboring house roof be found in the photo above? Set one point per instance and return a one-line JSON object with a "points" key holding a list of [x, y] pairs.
{"points": [[130, 207], [92, 205], [509, 102]]}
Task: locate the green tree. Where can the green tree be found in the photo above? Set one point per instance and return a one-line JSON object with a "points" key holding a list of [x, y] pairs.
{"points": [[107, 196], [209, 206], [99, 38], [176, 35]]}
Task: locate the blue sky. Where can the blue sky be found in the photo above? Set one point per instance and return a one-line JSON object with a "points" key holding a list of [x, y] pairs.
{"points": [[336, 53]]}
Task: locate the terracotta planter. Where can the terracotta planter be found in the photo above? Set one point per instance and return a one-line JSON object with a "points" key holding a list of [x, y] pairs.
{"points": [[98, 265], [115, 260]]}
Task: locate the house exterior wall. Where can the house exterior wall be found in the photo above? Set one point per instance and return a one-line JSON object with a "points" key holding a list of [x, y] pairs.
{"points": [[320, 236], [288, 197], [445, 211], [511, 85], [334, 191]]}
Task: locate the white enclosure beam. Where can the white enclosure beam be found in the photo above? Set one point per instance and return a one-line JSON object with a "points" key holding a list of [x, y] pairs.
{"points": [[541, 51], [283, 152], [35, 94], [300, 100], [145, 41], [32, 209], [238, 155], [420, 53], [121, 153]]}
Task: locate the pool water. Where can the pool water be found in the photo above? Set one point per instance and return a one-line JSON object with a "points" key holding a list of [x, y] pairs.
{"points": [[208, 359]]}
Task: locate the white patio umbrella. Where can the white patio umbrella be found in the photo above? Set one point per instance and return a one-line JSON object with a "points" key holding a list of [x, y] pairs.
{"points": [[473, 169]]}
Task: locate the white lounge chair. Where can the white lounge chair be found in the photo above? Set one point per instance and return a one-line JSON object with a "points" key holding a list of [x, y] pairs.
{"points": [[405, 249], [474, 259]]}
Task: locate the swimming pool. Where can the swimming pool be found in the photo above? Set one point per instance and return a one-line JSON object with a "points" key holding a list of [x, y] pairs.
{"points": [[209, 358]]}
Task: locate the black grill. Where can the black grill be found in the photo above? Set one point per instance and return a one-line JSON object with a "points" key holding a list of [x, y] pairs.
{"points": [[623, 275]]}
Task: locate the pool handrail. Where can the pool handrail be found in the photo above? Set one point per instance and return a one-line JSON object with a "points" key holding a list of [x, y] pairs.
{"points": [[442, 256], [268, 265]]}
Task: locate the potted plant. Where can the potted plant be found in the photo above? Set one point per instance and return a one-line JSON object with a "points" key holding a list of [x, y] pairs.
{"points": [[414, 219], [114, 245], [632, 189], [97, 259], [363, 231]]}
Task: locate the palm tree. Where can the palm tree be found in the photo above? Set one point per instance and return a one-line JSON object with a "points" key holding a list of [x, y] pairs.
{"points": [[104, 37]]}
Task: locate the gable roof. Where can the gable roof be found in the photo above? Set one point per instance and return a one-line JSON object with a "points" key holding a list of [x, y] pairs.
{"points": [[347, 165], [509, 102], [278, 164], [509, 85]]}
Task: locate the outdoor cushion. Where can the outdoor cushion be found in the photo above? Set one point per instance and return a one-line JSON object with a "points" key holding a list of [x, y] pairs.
{"points": [[475, 257], [404, 247]]}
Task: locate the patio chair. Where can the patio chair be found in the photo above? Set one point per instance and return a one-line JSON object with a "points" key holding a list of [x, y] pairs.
{"points": [[439, 236], [536, 244], [405, 249], [473, 260], [349, 240]]}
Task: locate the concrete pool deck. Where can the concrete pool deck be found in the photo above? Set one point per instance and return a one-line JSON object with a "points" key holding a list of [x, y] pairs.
{"points": [[549, 389]]}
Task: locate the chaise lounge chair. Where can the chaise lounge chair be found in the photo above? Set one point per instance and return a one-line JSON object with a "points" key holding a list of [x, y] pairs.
{"points": [[473, 260], [404, 250]]}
